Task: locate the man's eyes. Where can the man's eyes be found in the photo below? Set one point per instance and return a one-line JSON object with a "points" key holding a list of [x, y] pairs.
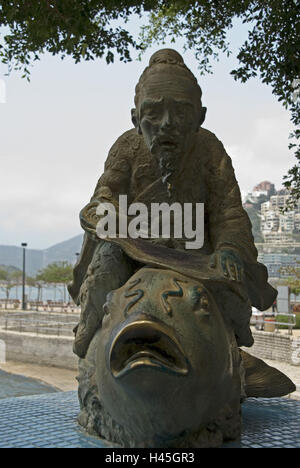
{"points": [[184, 111], [151, 113], [180, 113]]}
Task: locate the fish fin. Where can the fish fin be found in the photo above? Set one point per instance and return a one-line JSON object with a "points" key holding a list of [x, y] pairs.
{"points": [[262, 380]]}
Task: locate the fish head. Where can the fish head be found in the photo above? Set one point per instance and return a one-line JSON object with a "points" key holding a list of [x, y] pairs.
{"points": [[164, 361]]}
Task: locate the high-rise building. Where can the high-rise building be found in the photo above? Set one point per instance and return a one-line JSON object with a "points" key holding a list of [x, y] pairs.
{"points": [[264, 188], [275, 224]]}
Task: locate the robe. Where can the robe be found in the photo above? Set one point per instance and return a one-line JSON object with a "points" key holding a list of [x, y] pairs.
{"points": [[204, 175]]}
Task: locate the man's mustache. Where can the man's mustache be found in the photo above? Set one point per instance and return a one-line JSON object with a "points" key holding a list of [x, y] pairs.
{"points": [[164, 142]]}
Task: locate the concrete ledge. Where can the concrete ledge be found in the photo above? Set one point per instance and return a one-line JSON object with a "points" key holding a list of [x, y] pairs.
{"points": [[39, 349]]}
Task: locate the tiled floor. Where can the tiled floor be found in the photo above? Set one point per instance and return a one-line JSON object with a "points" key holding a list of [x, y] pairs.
{"points": [[42, 421], [64, 380], [49, 421], [270, 422], [12, 385]]}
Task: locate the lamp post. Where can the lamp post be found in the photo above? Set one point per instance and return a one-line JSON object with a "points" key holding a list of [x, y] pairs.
{"points": [[24, 245]]}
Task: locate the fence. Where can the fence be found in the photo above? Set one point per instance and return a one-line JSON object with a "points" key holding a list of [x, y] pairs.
{"points": [[10, 304], [39, 326], [269, 323], [47, 306]]}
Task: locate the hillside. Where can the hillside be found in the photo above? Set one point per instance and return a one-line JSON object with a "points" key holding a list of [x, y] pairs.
{"points": [[10, 268], [253, 213], [65, 250], [13, 256], [38, 259]]}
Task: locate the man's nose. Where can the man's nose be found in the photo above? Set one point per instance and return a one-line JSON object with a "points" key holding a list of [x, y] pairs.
{"points": [[167, 121]]}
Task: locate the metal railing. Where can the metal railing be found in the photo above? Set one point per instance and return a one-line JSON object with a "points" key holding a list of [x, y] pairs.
{"points": [[293, 316], [39, 327], [261, 320], [47, 306]]}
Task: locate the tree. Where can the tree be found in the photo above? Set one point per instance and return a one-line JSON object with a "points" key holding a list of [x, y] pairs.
{"points": [[293, 280], [39, 284], [57, 273], [272, 49], [31, 283], [87, 29], [81, 29], [9, 278]]}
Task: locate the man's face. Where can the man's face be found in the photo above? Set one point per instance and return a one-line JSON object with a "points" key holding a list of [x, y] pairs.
{"points": [[168, 115]]}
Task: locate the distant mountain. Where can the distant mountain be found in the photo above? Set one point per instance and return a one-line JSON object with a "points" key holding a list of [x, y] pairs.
{"points": [[38, 259], [63, 251], [10, 268], [13, 256]]}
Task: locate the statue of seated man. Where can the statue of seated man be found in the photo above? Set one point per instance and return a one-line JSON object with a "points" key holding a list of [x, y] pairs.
{"points": [[169, 157]]}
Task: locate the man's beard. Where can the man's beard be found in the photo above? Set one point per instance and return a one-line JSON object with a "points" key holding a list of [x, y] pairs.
{"points": [[168, 165], [167, 158]]}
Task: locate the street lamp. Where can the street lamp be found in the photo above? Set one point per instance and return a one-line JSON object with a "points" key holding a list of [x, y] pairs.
{"points": [[24, 245]]}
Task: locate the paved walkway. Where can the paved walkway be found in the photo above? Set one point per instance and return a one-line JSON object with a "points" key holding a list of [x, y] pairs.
{"points": [[17, 385], [61, 379]]}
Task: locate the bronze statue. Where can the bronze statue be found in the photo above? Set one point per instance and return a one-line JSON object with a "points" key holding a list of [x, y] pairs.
{"points": [[161, 325]]}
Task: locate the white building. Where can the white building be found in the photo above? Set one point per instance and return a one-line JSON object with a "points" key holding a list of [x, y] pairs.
{"points": [[276, 225]]}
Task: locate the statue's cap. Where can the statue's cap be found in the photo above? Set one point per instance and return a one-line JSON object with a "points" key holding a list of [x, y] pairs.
{"points": [[163, 61], [169, 56]]}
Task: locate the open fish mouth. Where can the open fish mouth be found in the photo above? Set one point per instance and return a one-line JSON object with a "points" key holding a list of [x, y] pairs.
{"points": [[146, 343]]}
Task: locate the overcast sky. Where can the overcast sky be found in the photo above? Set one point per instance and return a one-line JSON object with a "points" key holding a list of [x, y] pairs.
{"points": [[55, 133]]}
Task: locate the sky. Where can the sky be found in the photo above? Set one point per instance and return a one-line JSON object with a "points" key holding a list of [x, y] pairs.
{"points": [[56, 131]]}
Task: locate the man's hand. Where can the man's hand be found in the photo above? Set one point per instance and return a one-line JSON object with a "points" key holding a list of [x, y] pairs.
{"points": [[230, 262]]}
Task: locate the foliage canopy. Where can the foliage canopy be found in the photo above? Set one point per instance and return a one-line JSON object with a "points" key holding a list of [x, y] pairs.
{"points": [[56, 273], [9, 278], [90, 29]]}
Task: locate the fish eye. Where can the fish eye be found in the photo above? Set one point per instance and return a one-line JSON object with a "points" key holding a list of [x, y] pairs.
{"points": [[200, 303], [204, 302]]}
